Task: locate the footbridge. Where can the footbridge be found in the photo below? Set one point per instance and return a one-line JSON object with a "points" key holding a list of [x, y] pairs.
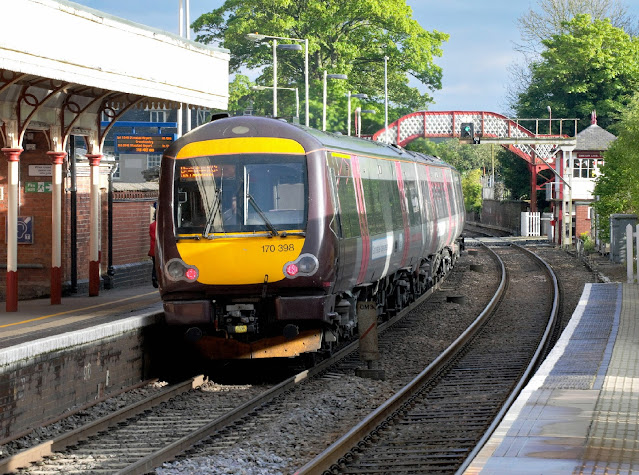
{"points": [[537, 149]]}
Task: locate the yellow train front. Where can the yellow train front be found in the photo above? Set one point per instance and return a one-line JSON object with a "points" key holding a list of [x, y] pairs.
{"points": [[257, 251]]}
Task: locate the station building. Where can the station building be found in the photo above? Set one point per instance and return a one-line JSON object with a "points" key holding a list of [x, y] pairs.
{"points": [[68, 76]]}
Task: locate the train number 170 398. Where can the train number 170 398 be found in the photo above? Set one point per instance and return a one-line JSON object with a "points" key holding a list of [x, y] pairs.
{"points": [[278, 247]]}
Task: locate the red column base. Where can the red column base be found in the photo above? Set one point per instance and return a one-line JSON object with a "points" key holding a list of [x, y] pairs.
{"points": [[56, 286], [12, 291], [94, 278]]}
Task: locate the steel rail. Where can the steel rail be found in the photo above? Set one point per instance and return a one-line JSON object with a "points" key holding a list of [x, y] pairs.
{"points": [[333, 454], [552, 322], [49, 447], [169, 452]]}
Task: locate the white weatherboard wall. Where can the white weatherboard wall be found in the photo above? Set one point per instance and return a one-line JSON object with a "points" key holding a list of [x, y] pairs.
{"points": [[68, 42]]}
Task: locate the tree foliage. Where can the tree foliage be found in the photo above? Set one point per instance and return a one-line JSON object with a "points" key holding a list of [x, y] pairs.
{"points": [[462, 156], [535, 26], [592, 66], [617, 188], [515, 174], [472, 190], [345, 37], [547, 19], [239, 93]]}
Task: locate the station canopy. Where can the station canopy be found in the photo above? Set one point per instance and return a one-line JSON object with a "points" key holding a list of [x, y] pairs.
{"points": [[64, 68]]}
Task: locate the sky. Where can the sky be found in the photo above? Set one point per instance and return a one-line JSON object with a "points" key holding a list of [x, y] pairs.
{"points": [[476, 58]]}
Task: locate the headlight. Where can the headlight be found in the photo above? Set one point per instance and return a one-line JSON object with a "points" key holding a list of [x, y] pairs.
{"points": [[304, 265], [177, 269]]}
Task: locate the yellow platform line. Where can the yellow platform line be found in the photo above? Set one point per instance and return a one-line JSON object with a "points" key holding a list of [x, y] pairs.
{"points": [[76, 310]]}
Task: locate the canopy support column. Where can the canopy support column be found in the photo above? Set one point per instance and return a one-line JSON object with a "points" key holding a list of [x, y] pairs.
{"points": [[94, 224], [13, 181], [56, 227]]}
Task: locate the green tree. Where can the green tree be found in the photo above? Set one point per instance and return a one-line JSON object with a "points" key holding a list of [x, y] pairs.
{"points": [[548, 20], [345, 37], [592, 66], [462, 156], [515, 174], [617, 188], [472, 189], [239, 93]]}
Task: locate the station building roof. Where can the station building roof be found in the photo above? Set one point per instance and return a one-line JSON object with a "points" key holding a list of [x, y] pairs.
{"points": [[594, 137], [58, 55]]}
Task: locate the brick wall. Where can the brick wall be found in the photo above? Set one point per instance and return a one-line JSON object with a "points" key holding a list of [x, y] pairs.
{"points": [[40, 389], [582, 221], [131, 217], [34, 260], [132, 213]]}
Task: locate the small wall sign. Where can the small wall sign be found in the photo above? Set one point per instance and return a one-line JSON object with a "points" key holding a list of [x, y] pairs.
{"points": [[25, 230], [37, 187], [41, 170]]}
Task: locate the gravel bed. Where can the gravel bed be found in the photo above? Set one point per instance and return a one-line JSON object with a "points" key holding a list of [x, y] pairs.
{"points": [[325, 409], [311, 419], [283, 445]]}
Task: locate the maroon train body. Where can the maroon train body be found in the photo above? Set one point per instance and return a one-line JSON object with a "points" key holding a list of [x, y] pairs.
{"points": [[268, 234]]}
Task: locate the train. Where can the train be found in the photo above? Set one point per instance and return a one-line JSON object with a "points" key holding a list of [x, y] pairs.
{"points": [[268, 234]]}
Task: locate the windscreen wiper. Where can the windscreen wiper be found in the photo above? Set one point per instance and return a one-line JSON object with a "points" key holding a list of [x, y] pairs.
{"points": [[269, 225], [211, 218]]}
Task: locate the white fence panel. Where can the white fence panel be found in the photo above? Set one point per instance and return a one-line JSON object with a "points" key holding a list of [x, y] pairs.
{"points": [[530, 224]]}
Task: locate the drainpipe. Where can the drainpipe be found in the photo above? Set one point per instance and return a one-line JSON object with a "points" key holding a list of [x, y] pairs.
{"points": [[74, 217]]}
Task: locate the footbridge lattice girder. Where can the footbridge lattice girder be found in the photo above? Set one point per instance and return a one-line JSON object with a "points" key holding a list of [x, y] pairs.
{"points": [[487, 125]]}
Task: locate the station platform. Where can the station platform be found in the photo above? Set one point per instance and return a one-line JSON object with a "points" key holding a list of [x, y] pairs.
{"points": [[579, 414], [38, 321]]}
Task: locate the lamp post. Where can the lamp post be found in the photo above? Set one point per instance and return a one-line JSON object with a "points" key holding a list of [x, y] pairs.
{"points": [[328, 76], [549, 120], [274, 78], [386, 93], [358, 119], [357, 96], [258, 37], [297, 95]]}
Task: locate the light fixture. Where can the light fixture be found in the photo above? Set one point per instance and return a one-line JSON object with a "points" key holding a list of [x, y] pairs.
{"points": [[328, 76]]}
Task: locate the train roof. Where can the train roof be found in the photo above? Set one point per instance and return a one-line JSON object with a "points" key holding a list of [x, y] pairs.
{"points": [[308, 137], [369, 147]]}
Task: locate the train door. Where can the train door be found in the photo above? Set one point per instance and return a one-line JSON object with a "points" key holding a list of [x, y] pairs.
{"points": [[413, 212], [425, 199], [450, 205], [347, 220], [440, 217], [384, 213]]}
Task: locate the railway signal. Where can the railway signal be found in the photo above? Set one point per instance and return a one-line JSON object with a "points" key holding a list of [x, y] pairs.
{"points": [[467, 131]]}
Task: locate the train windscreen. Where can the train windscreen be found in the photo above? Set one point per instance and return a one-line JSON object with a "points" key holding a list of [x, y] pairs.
{"points": [[244, 193]]}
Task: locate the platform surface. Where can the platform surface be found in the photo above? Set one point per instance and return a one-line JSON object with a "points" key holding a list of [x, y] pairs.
{"points": [[579, 414], [37, 319]]}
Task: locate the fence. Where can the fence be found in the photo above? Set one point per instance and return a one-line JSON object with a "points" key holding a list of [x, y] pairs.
{"points": [[630, 260], [530, 224]]}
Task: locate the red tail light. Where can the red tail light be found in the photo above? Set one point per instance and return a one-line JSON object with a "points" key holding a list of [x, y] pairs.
{"points": [[291, 269]]}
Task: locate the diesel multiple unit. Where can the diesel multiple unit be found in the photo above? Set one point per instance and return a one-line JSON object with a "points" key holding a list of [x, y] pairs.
{"points": [[268, 233]]}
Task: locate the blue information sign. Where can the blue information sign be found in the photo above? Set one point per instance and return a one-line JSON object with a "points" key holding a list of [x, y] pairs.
{"points": [[25, 230]]}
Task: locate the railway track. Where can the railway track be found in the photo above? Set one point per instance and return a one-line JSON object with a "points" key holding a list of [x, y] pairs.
{"points": [[436, 423], [139, 443], [144, 435]]}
